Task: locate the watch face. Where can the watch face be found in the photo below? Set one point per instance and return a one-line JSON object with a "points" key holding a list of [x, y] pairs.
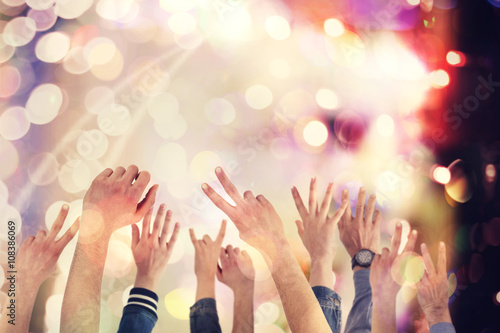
{"points": [[364, 257]]}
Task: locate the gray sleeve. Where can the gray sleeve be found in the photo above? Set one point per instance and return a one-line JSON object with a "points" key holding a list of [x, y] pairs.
{"points": [[359, 319], [442, 328]]}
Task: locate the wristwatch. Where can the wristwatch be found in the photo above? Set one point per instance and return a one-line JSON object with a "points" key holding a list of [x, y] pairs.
{"points": [[363, 258]]}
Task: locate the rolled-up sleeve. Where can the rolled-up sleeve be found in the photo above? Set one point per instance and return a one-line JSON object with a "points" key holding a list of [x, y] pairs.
{"points": [[442, 328], [140, 313], [330, 303]]}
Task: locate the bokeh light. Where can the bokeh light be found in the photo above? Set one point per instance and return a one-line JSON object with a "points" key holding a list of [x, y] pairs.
{"points": [[334, 27], [266, 313], [99, 98], [44, 19], [441, 175], [327, 99], [44, 103], [10, 158], [13, 123], [277, 27], [385, 125], [43, 169], [459, 188], [315, 133], [177, 5], [113, 9], [259, 96], [52, 47], [280, 68], [11, 81], [119, 260], [40, 4], [455, 58], [19, 31], [268, 328], [490, 172], [178, 301], [220, 111], [440, 78], [182, 23], [71, 9], [114, 120]]}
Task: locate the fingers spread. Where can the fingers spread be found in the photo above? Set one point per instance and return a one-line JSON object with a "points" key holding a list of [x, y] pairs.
{"points": [[146, 224], [248, 195], [175, 235], [325, 205], [217, 200], [228, 186], [360, 205], [300, 229], [370, 208], [118, 173], [299, 204], [105, 173], [59, 222], [313, 202], [347, 216], [70, 233], [135, 236], [159, 221], [429, 266], [130, 174], [166, 227], [412, 239], [337, 216], [396, 240]]}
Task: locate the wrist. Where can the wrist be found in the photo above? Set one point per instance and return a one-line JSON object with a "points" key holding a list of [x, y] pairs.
{"points": [[244, 292], [146, 281], [437, 314]]}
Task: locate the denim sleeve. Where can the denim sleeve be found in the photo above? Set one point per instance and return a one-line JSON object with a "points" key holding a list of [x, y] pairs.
{"points": [[203, 317], [139, 315], [442, 328], [360, 317], [329, 301]]}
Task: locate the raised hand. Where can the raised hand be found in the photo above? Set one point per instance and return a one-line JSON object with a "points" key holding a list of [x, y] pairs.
{"points": [[35, 262], [37, 257], [360, 232], [433, 290], [254, 216], [384, 287], [317, 231], [113, 201], [206, 255], [236, 269], [152, 250]]}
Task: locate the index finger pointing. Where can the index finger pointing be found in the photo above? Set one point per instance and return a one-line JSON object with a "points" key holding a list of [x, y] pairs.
{"points": [[193, 237], [217, 200], [58, 223]]}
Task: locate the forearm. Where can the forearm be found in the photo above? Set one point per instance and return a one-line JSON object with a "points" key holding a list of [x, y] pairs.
{"points": [[146, 281], [243, 311], [205, 287], [321, 274], [360, 316], [384, 315], [16, 319], [82, 297], [303, 316]]}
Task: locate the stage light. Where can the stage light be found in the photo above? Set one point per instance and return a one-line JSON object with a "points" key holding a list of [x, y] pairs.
{"points": [[490, 173], [315, 133], [455, 58], [327, 99]]}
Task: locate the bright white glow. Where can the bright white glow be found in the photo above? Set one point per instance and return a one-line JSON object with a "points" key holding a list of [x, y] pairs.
{"points": [[490, 172], [498, 297], [220, 111], [70, 9], [52, 47], [440, 78], [40, 4], [278, 27], [441, 175], [413, 2], [182, 23], [13, 123], [259, 96], [453, 58], [334, 27], [327, 99], [315, 133], [235, 24], [173, 6], [385, 125]]}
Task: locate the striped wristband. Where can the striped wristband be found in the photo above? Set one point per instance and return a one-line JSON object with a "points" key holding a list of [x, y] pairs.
{"points": [[144, 298]]}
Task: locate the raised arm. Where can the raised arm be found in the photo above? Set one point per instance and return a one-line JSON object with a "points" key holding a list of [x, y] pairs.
{"points": [[261, 227], [35, 262], [203, 314], [151, 252], [360, 235], [237, 272], [384, 287], [432, 294], [112, 202], [317, 231]]}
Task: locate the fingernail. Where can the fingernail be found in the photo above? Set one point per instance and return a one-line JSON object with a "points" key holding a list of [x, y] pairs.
{"points": [[398, 224], [218, 170], [65, 207], [162, 207], [344, 191], [362, 189], [204, 186], [414, 232], [344, 200]]}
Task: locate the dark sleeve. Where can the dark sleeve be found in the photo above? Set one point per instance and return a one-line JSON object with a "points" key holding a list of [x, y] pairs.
{"points": [[203, 317], [359, 319], [330, 302], [442, 328], [140, 313]]}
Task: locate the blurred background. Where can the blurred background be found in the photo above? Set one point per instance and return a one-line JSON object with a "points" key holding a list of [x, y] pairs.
{"points": [[401, 96]]}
